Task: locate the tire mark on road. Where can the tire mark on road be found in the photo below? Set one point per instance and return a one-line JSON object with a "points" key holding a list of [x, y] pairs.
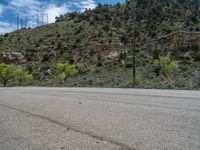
{"points": [[121, 145]]}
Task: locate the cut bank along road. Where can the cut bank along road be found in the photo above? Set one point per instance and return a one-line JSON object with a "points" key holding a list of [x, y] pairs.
{"points": [[91, 118]]}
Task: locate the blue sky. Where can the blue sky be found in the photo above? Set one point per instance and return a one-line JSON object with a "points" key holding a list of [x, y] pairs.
{"points": [[29, 8]]}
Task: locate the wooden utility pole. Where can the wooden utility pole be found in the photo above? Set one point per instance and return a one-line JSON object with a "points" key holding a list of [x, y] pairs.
{"points": [[133, 50], [133, 58]]}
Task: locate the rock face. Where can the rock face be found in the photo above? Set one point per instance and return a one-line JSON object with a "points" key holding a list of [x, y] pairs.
{"points": [[181, 40], [184, 40], [12, 57], [19, 58], [175, 41], [43, 56], [108, 51]]}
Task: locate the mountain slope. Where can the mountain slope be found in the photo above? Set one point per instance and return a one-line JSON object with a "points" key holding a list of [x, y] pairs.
{"points": [[99, 42]]}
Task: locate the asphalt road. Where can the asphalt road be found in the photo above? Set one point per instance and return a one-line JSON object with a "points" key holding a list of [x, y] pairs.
{"points": [[99, 119]]}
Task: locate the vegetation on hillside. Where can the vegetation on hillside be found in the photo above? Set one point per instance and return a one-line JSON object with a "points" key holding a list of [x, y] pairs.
{"points": [[97, 46], [13, 74], [65, 71], [164, 66]]}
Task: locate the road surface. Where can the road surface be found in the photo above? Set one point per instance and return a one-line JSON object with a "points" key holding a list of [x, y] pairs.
{"points": [[99, 119]]}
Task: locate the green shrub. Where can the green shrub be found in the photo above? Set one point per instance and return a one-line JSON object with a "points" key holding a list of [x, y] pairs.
{"points": [[197, 56], [65, 70], [164, 66], [1, 40], [137, 80], [22, 75], [12, 73]]}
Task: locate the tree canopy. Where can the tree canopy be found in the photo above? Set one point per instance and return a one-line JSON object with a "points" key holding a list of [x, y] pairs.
{"points": [[13, 74], [65, 70]]}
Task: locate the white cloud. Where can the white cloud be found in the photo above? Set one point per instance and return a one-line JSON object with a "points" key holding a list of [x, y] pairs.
{"points": [[83, 4], [28, 4], [87, 4], [54, 11], [26, 7], [5, 27], [1, 9], [29, 8]]}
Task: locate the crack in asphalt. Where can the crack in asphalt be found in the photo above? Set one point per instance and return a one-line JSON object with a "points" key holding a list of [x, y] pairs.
{"points": [[121, 145]]}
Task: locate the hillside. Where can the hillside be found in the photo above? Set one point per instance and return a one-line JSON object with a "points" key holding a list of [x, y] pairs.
{"points": [[99, 43]]}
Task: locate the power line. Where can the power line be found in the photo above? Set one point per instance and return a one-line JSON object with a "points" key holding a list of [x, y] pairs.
{"points": [[44, 15], [37, 15], [41, 17], [17, 21], [25, 22], [21, 23], [47, 18]]}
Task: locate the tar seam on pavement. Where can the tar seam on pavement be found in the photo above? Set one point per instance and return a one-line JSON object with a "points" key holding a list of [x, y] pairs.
{"points": [[121, 145]]}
